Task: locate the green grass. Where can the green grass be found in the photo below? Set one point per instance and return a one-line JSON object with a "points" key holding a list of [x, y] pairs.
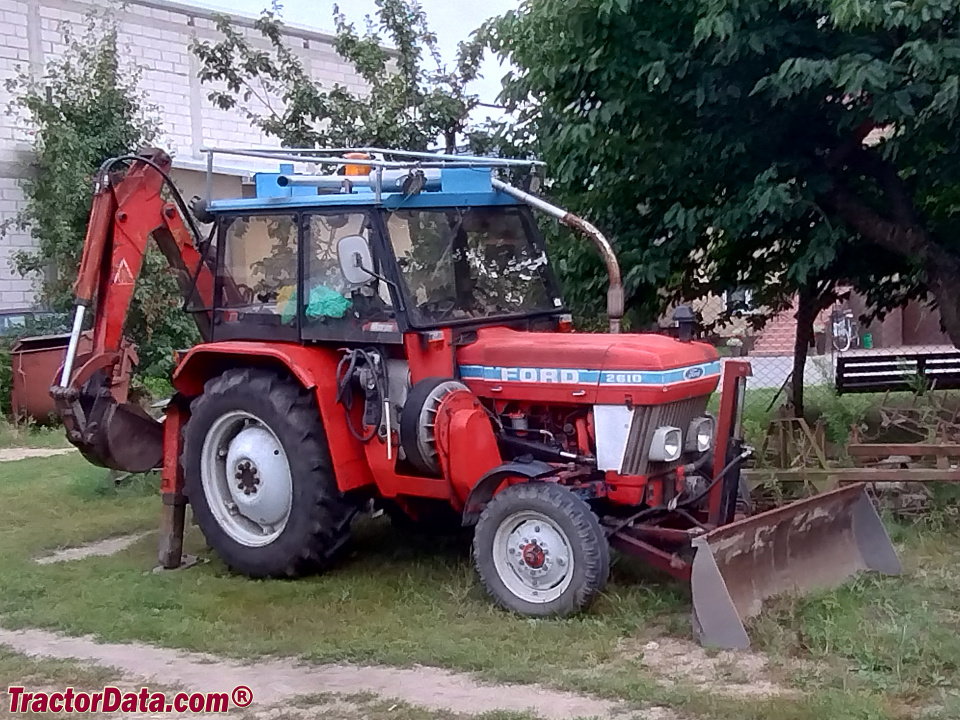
{"points": [[881, 647], [29, 434], [896, 636]]}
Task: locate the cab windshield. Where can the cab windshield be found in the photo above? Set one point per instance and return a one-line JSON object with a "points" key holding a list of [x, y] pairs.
{"points": [[470, 263]]}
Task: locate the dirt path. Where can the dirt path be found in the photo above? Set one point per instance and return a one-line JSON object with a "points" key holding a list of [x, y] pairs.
{"points": [[274, 681], [100, 548], [741, 673], [21, 453]]}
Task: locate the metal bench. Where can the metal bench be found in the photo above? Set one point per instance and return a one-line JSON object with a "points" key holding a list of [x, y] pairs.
{"points": [[891, 370]]}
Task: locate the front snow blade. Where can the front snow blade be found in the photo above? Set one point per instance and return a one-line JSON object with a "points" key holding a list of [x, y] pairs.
{"points": [[810, 544]]}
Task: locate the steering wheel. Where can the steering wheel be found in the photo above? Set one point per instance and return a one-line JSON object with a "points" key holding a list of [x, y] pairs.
{"points": [[246, 293], [439, 309]]}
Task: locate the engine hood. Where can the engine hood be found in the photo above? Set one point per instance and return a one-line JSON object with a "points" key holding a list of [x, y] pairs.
{"points": [[587, 367]]}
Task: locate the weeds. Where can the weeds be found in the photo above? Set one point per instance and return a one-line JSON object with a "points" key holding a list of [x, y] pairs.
{"points": [[29, 433]]}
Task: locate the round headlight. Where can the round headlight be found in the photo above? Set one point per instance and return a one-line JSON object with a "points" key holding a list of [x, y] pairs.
{"points": [[666, 444], [700, 434]]}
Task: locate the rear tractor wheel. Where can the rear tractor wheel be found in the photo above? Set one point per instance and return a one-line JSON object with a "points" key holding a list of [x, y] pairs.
{"points": [[259, 476], [540, 550]]}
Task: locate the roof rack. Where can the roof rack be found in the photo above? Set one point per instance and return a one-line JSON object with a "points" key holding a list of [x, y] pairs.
{"points": [[378, 160]]}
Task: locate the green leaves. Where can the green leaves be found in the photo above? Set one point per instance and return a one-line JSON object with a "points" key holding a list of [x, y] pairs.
{"points": [[410, 100], [86, 108], [710, 139]]}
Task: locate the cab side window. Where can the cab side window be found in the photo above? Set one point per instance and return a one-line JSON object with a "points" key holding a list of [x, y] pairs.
{"points": [[331, 300], [259, 269]]}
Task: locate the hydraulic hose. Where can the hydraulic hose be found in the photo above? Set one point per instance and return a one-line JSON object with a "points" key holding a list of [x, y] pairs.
{"points": [[347, 370], [681, 507], [747, 452], [174, 190]]}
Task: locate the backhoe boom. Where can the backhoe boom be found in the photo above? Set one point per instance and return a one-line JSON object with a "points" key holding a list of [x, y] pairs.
{"points": [[128, 209]]}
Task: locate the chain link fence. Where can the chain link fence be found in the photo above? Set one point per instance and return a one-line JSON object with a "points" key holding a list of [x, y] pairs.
{"points": [[907, 346]]}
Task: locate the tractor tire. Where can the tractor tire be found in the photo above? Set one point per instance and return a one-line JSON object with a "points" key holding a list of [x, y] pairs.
{"points": [[540, 551], [258, 474]]}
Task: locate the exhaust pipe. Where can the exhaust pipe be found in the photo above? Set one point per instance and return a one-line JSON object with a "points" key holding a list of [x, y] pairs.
{"points": [[615, 288]]}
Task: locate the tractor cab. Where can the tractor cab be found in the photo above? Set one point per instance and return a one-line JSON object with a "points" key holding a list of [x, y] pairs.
{"points": [[339, 262]]}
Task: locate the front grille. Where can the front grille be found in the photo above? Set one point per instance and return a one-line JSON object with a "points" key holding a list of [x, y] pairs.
{"points": [[646, 419]]}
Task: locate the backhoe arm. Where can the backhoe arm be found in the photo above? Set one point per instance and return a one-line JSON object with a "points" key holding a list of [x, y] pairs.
{"points": [[128, 209]]}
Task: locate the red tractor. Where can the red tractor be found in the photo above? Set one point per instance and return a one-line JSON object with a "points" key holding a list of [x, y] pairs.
{"points": [[392, 334]]}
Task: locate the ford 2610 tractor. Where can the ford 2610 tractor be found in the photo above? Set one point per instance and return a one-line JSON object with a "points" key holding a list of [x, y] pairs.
{"points": [[389, 331]]}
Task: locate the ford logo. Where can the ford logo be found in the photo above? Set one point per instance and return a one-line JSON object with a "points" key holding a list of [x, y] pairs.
{"points": [[692, 373]]}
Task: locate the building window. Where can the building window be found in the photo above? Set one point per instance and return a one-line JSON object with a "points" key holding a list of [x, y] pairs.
{"points": [[739, 302]]}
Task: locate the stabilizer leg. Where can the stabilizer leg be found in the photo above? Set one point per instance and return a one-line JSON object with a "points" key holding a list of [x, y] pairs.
{"points": [[173, 512]]}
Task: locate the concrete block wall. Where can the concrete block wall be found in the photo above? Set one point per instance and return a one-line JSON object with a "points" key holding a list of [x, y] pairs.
{"points": [[154, 35]]}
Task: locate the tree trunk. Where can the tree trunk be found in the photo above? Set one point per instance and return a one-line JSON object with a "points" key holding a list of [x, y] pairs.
{"points": [[943, 279], [904, 236], [807, 308]]}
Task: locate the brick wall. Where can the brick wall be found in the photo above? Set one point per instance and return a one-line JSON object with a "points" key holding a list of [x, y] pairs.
{"points": [[155, 35]]}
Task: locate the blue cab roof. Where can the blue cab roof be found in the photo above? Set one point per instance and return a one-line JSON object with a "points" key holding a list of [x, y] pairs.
{"points": [[458, 187]]}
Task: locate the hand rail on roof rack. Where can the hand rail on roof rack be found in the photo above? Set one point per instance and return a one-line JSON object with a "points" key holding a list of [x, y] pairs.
{"points": [[334, 156]]}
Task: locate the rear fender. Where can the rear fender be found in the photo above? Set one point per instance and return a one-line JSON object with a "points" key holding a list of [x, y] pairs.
{"points": [[315, 368], [487, 485]]}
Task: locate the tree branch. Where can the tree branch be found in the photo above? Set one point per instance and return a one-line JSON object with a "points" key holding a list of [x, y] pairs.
{"points": [[888, 179]]}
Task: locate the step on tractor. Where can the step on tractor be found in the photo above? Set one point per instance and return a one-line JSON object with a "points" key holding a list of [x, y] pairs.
{"points": [[383, 330]]}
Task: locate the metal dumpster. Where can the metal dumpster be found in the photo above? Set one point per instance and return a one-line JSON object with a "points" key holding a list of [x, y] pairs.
{"points": [[36, 363]]}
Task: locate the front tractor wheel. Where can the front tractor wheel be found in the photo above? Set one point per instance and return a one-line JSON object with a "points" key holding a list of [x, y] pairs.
{"points": [[259, 477], [540, 550]]}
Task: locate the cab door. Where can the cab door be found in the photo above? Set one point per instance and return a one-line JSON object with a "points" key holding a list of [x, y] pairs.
{"points": [[352, 307], [255, 293]]}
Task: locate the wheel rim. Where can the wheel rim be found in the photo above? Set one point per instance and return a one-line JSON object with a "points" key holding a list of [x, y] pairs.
{"points": [[246, 478], [533, 557]]}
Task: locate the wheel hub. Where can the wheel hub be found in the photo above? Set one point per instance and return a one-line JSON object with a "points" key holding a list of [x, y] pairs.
{"points": [[262, 490], [248, 477], [533, 555]]}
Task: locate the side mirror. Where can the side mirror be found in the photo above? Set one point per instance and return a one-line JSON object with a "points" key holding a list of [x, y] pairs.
{"points": [[355, 259]]}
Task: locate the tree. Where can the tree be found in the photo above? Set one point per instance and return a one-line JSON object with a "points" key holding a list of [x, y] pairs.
{"points": [[406, 106], [782, 145], [84, 109]]}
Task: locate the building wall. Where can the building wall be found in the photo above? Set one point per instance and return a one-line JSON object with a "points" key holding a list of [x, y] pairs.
{"points": [[155, 35]]}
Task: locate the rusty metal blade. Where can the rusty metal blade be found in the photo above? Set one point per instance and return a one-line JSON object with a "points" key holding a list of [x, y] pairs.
{"points": [[122, 437], [810, 544]]}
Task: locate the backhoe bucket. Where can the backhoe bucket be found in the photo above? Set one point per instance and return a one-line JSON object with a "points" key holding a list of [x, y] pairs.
{"points": [[119, 436], [128, 439], [811, 544]]}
